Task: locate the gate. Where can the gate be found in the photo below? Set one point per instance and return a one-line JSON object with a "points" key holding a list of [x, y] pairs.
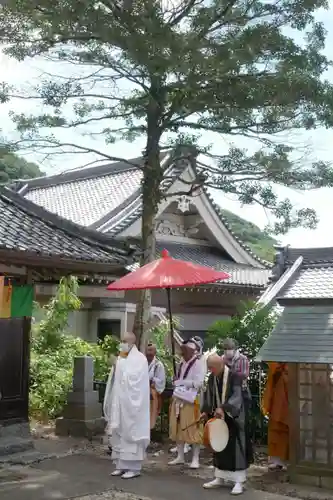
{"points": [[14, 368]]}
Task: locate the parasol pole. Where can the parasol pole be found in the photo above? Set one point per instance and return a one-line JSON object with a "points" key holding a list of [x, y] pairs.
{"points": [[172, 338]]}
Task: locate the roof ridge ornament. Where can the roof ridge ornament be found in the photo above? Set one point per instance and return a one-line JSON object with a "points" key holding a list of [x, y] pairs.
{"points": [[280, 262], [184, 203]]}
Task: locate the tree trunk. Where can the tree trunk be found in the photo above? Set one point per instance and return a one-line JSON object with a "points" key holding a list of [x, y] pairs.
{"points": [[151, 198]]}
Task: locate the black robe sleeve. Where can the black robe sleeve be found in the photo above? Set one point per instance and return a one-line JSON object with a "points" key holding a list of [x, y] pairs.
{"points": [[207, 405], [234, 400]]}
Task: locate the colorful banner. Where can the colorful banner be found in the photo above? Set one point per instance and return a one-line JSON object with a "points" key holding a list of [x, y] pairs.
{"points": [[16, 301]]}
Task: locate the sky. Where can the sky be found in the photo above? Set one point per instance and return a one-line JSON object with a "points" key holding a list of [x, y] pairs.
{"points": [[319, 142]]}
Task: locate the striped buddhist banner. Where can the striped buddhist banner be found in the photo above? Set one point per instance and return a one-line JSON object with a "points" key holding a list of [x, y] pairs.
{"points": [[16, 301]]}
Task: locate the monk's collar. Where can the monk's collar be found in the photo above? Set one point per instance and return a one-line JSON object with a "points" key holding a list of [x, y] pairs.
{"points": [[189, 361], [236, 355]]}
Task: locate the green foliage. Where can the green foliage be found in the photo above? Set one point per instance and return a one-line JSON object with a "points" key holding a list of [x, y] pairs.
{"points": [[47, 333], [51, 372], [250, 327], [259, 241], [13, 167], [244, 68], [160, 334], [53, 352], [109, 346]]}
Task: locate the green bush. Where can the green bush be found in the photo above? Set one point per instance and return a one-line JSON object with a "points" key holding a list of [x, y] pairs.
{"points": [[53, 352], [52, 371], [160, 334], [250, 327]]}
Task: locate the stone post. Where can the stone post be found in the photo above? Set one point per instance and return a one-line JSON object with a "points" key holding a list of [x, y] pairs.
{"points": [[82, 415]]}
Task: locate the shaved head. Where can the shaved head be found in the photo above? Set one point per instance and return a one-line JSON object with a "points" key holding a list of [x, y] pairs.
{"points": [[130, 338], [215, 364], [150, 352], [229, 344], [188, 350]]}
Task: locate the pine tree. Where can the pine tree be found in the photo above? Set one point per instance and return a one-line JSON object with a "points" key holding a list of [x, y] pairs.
{"points": [[171, 70]]}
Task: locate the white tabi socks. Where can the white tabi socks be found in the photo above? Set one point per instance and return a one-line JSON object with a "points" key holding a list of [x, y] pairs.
{"points": [[180, 459], [238, 489], [195, 464]]}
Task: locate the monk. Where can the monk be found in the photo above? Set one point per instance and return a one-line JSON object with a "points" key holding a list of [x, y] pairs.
{"points": [[127, 409], [224, 399], [239, 364], [185, 425], [107, 401], [157, 383], [199, 352], [235, 360], [275, 407]]}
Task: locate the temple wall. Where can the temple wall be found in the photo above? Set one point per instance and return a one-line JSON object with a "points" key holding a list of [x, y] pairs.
{"points": [[196, 310], [198, 322], [181, 299], [130, 321]]}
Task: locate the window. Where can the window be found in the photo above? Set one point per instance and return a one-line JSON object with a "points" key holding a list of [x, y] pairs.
{"points": [[108, 327]]}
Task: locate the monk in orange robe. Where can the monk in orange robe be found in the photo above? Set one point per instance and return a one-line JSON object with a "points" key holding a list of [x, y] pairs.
{"points": [[275, 407]]}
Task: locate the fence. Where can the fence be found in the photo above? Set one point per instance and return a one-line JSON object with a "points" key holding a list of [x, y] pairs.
{"points": [[258, 423]]}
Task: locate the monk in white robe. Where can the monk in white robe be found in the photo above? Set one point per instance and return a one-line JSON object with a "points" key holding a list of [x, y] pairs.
{"points": [[199, 350], [107, 401], [185, 427], [157, 383], [129, 420]]}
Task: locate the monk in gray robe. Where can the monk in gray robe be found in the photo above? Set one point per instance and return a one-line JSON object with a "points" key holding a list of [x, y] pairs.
{"points": [[230, 464]]}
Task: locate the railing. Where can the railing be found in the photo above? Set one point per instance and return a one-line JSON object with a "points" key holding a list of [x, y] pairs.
{"points": [[258, 423]]}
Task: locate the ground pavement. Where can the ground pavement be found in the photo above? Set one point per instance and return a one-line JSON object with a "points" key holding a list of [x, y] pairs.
{"points": [[86, 477]]}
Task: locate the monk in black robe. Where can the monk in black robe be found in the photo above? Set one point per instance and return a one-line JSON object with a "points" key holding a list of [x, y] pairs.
{"points": [[224, 398]]}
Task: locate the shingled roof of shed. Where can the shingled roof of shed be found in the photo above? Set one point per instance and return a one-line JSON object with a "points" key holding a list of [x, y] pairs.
{"points": [[304, 331]]}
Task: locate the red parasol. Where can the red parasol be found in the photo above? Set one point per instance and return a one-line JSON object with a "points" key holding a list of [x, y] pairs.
{"points": [[167, 273]]}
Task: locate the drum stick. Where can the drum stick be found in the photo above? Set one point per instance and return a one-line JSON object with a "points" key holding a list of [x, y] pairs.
{"points": [[192, 424]]}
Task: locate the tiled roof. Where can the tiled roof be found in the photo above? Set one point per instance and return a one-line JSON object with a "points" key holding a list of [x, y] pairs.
{"points": [[304, 331], [311, 256], [29, 228], [87, 200], [227, 225], [131, 208], [240, 274], [108, 197], [311, 283], [303, 334], [314, 279]]}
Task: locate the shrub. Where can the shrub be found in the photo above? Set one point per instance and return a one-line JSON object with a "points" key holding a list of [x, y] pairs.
{"points": [[250, 327], [160, 334], [53, 353], [52, 373]]}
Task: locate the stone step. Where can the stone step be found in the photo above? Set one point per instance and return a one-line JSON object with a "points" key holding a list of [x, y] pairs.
{"points": [[11, 445], [15, 430], [26, 458]]}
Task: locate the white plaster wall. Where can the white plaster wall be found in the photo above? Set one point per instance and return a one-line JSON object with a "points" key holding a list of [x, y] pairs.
{"points": [[198, 322], [78, 325]]}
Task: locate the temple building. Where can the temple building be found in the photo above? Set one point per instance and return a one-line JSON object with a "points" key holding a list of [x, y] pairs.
{"points": [[108, 199], [37, 246]]}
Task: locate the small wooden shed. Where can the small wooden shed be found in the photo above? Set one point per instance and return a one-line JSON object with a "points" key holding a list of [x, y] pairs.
{"points": [[303, 338]]}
